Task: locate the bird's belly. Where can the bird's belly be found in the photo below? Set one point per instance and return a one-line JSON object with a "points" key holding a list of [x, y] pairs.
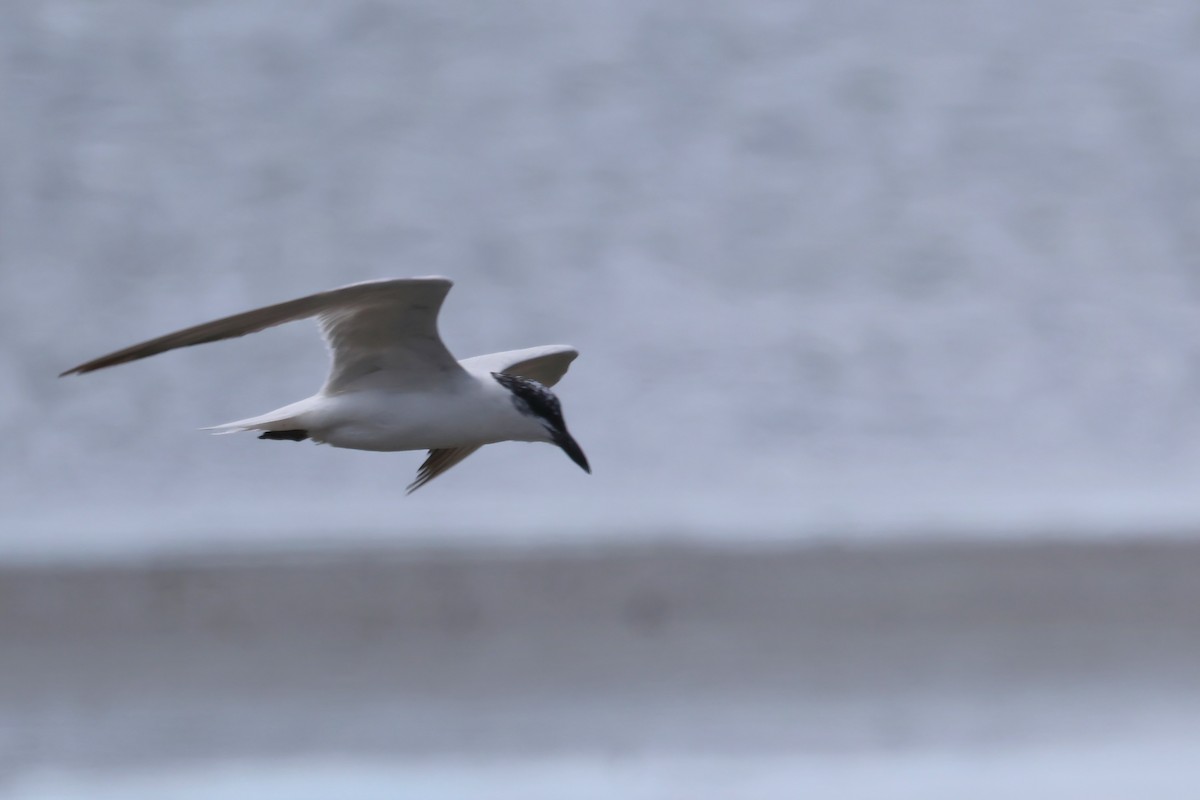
{"points": [[386, 439], [408, 422]]}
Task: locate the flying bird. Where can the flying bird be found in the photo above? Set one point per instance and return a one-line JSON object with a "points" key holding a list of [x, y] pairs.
{"points": [[393, 385]]}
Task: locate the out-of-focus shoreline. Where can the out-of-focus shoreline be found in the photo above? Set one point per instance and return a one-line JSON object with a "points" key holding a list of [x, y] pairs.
{"points": [[629, 650]]}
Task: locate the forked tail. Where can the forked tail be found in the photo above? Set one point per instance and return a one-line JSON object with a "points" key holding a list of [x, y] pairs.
{"points": [[289, 418]]}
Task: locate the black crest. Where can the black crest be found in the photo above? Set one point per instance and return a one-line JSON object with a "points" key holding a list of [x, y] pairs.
{"points": [[533, 399]]}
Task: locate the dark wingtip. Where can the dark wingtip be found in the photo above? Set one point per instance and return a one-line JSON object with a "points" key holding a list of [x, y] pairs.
{"points": [[90, 366]]}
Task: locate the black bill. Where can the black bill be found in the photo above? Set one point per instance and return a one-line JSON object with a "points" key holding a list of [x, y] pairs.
{"points": [[572, 449]]}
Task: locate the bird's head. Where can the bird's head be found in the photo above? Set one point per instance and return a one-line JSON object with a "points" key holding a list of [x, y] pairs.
{"points": [[539, 404]]}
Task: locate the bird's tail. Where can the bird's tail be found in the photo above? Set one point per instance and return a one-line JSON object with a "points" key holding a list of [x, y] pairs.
{"points": [[289, 417]]}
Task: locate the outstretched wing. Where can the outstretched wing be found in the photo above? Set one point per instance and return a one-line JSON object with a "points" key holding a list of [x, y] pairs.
{"points": [[546, 365], [383, 332], [437, 462], [389, 337]]}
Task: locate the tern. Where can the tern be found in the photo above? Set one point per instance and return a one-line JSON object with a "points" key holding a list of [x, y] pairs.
{"points": [[393, 385]]}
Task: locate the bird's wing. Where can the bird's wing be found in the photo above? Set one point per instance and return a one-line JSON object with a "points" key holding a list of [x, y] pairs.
{"points": [[383, 332], [546, 365], [388, 337], [437, 462]]}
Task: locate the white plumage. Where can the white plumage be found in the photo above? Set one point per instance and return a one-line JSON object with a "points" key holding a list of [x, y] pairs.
{"points": [[392, 384]]}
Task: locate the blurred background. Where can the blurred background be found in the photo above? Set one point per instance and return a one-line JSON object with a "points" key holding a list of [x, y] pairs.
{"points": [[890, 328]]}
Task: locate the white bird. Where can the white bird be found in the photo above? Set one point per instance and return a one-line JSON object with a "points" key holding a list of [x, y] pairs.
{"points": [[393, 385]]}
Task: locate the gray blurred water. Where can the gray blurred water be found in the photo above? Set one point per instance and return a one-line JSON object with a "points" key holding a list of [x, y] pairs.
{"points": [[832, 266], [911, 671]]}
